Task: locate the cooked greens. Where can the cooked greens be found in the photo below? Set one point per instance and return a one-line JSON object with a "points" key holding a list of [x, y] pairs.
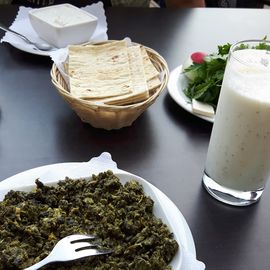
{"points": [[121, 216]]}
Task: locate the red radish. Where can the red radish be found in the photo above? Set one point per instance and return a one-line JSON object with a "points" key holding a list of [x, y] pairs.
{"points": [[198, 57]]}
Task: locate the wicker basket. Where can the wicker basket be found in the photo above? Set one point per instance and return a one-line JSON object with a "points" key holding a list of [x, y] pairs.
{"points": [[111, 116]]}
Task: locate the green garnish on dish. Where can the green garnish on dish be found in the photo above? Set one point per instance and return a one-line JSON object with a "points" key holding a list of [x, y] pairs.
{"points": [[205, 73]]}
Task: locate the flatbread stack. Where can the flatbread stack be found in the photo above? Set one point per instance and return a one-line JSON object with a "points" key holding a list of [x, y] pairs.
{"points": [[111, 73]]}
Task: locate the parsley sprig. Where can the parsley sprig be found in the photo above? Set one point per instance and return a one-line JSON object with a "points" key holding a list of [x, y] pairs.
{"points": [[208, 77]]}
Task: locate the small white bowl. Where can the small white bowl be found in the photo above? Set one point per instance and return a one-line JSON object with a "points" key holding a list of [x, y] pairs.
{"points": [[62, 25]]}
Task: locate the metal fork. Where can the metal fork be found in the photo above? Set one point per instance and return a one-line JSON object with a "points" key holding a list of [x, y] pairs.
{"points": [[70, 248]]}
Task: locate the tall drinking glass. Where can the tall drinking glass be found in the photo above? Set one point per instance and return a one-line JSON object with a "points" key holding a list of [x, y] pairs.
{"points": [[238, 159]]}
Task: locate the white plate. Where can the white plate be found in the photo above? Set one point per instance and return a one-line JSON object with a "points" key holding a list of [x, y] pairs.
{"points": [[176, 84], [30, 49], [164, 208]]}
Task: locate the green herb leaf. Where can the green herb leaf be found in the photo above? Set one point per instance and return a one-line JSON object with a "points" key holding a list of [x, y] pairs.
{"points": [[262, 46], [224, 49], [208, 79]]}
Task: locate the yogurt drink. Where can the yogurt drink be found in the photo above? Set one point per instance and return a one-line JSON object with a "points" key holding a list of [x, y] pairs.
{"points": [[238, 159]]}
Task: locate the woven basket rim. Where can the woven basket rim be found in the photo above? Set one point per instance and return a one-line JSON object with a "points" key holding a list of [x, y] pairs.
{"points": [[155, 57]]}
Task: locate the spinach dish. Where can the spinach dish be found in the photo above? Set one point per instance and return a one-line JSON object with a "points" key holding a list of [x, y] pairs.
{"points": [[121, 216]]}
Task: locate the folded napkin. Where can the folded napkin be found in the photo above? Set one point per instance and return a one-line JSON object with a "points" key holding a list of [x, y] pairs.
{"points": [[22, 25]]}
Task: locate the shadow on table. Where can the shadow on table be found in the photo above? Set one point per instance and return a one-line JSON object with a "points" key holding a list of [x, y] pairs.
{"points": [[25, 59], [80, 141], [192, 125], [228, 231]]}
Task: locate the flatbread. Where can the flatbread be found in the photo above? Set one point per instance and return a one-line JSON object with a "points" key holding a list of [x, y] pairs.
{"points": [[138, 78], [138, 81], [151, 73], [112, 73], [99, 71], [150, 70]]}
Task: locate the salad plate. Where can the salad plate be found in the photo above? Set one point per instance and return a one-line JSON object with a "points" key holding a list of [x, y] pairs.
{"points": [[176, 85], [164, 208]]}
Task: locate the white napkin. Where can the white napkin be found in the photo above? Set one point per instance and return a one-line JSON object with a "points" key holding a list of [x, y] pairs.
{"points": [[22, 25]]}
